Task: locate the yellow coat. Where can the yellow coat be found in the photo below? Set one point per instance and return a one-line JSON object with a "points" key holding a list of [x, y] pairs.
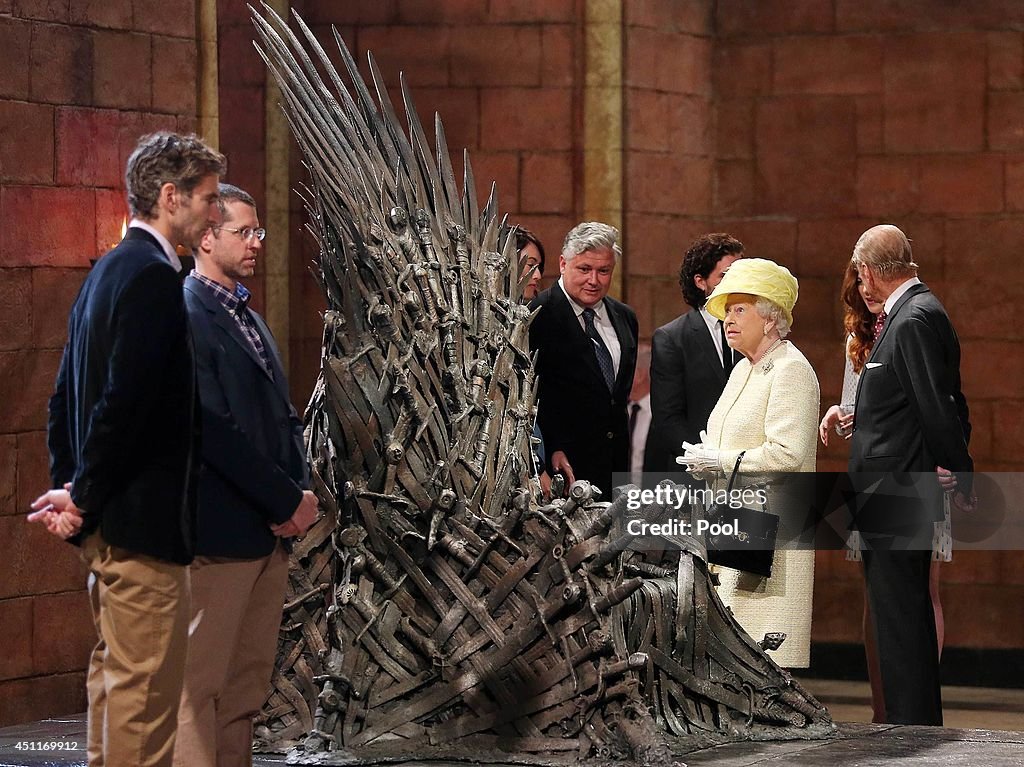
{"points": [[770, 410]]}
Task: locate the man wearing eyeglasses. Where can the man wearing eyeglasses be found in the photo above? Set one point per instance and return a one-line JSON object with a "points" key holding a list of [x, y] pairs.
{"points": [[253, 495]]}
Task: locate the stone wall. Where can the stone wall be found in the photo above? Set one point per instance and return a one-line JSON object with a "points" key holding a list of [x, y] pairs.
{"points": [[81, 81]]}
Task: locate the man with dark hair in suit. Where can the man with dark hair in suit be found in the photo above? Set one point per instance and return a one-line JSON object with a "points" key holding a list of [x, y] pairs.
{"points": [[911, 418], [123, 442], [253, 492], [690, 360], [586, 354]]}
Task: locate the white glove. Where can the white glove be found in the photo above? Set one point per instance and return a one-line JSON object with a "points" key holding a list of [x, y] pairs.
{"points": [[700, 458]]}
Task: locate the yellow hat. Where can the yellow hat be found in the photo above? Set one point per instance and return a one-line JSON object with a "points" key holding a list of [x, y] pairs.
{"points": [[758, 277]]}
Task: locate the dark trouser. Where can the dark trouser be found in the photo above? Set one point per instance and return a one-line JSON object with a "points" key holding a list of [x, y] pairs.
{"points": [[897, 584]]}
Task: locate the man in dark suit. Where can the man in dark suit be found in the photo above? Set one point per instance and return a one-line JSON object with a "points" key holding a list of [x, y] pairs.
{"points": [[690, 360], [586, 353], [252, 493], [122, 438], [911, 418]]}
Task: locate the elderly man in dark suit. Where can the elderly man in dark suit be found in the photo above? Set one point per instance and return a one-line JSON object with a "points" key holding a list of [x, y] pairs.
{"points": [[122, 437], [911, 418], [690, 360], [252, 494], [586, 354]]}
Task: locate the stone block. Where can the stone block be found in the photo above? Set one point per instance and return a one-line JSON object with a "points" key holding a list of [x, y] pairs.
{"points": [[15, 37], [53, 293], [15, 308], [175, 63], [176, 18], [63, 632], [1005, 60], [87, 147], [546, 183], [737, 18], [888, 186], [29, 700], [423, 52], [16, 618], [101, 13], [659, 183], [558, 55], [831, 65], [503, 127], [26, 143], [971, 184], [115, 54], [480, 56], [46, 226], [742, 68], [61, 65]]}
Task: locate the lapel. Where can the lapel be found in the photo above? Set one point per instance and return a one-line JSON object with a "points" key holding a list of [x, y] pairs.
{"points": [[626, 342], [890, 319], [273, 355], [566, 317], [697, 329], [225, 322]]}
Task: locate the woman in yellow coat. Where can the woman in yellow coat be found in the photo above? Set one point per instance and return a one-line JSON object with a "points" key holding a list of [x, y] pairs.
{"points": [[769, 413]]}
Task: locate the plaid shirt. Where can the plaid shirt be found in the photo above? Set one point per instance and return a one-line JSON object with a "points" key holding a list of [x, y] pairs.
{"points": [[237, 304]]}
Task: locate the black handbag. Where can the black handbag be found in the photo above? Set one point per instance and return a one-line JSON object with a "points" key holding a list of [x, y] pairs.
{"points": [[750, 546]]}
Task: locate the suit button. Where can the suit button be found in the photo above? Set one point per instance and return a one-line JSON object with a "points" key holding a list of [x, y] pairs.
{"points": [[611, 435]]}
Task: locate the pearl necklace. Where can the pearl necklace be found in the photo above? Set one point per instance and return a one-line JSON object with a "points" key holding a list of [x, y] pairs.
{"points": [[767, 366]]}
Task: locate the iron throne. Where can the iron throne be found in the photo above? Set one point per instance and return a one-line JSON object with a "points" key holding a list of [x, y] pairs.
{"points": [[438, 608]]}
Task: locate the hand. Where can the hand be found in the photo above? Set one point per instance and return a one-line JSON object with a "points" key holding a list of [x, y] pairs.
{"points": [[700, 458], [545, 485], [560, 463], [965, 503], [828, 422], [947, 479], [57, 512], [305, 515]]}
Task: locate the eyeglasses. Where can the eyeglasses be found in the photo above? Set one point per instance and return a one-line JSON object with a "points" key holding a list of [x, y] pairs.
{"points": [[246, 233]]}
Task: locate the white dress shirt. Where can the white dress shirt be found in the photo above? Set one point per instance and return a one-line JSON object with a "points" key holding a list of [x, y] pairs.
{"points": [[638, 439], [897, 294], [603, 325], [169, 251]]}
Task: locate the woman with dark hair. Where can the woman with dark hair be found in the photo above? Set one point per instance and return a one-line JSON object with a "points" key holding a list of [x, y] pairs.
{"points": [[863, 319], [531, 260], [531, 257]]}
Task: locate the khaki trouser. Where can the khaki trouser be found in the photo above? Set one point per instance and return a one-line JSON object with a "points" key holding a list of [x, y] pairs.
{"points": [[236, 617], [140, 606]]}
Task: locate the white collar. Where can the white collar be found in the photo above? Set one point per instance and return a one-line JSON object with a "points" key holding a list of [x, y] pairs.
{"points": [[165, 244], [897, 294]]}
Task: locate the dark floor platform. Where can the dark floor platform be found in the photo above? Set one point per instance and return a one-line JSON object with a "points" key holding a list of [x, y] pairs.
{"points": [[61, 743]]}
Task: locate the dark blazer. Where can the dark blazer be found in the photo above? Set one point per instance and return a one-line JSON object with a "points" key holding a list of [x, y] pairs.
{"points": [[576, 412], [687, 379], [911, 415], [123, 425], [254, 466]]}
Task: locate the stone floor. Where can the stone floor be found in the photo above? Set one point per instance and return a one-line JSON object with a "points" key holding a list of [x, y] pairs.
{"points": [[985, 728]]}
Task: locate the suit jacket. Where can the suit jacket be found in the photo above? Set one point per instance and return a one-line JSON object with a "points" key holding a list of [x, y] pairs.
{"points": [[122, 424], [687, 378], [254, 466], [911, 415], [576, 412]]}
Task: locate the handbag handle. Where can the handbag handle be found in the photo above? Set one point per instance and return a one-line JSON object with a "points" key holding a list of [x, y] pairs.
{"points": [[735, 469]]}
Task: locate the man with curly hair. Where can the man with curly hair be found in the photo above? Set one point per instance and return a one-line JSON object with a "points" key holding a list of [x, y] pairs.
{"points": [[690, 360], [123, 440]]}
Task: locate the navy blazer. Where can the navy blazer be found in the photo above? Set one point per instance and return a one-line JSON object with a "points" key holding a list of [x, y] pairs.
{"points": [[687, 378], [254, 464], [576, 412], [122, 418], [911, 415]]}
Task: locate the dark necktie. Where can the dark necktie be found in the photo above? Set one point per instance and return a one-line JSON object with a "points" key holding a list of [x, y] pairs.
{"points": [[727, 358], [634, 412], [604, 357], [879, 324]]}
